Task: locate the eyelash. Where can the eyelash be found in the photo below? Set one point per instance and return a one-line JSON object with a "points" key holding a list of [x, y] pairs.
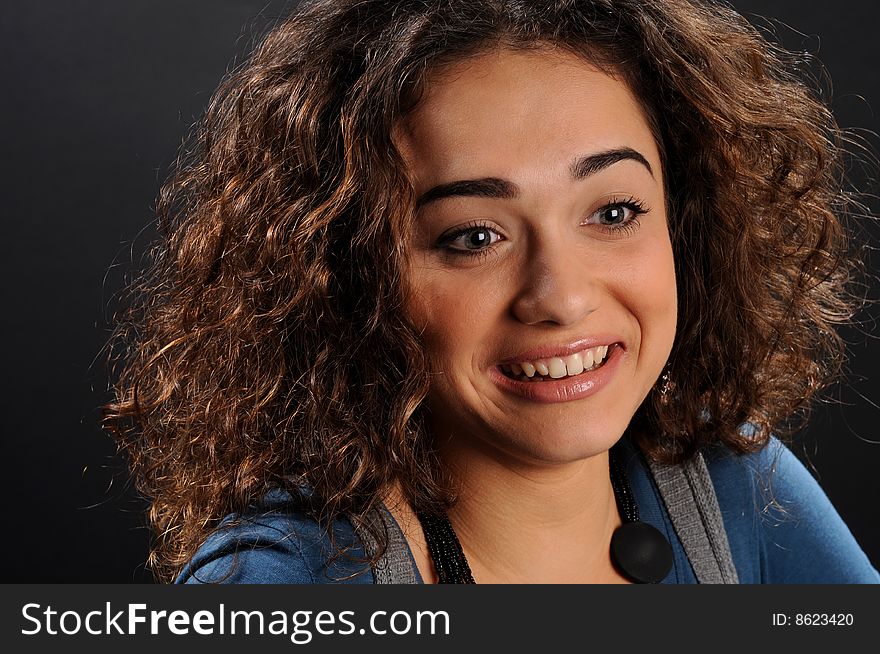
{"points": [[630, 226]]}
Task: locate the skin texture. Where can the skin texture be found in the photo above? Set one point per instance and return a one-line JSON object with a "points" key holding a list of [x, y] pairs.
{"points": [[536, 503]]}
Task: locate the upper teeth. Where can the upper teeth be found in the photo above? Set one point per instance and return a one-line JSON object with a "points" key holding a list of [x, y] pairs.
{"points": [[557, 367]]}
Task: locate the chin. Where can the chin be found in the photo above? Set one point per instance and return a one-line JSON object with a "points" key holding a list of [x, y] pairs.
{"points": [[567, 445]]}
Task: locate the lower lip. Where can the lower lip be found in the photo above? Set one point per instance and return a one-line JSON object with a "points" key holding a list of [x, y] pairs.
{"points": [[565, 389]]}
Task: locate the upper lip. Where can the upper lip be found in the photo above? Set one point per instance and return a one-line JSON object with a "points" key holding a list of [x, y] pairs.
{"points": [[550, 351]]}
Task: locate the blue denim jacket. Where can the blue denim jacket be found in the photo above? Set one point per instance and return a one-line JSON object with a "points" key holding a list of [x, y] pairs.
{"points": [[801, 539]]}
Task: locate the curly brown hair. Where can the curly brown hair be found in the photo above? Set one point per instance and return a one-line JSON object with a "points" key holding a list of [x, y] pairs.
{"points": [[266, 346]]}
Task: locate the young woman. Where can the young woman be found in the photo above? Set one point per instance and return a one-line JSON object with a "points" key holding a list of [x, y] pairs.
{"points": [[495, 292]]}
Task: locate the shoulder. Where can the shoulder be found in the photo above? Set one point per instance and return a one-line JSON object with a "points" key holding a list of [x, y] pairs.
{"points": [[275, 543], [781, 526]]}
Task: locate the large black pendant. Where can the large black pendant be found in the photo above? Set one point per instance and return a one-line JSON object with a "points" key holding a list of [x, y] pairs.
{"points": [[641, 553]]}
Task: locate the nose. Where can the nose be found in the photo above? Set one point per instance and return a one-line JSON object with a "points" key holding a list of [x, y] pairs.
{"points": [[559, 283]]}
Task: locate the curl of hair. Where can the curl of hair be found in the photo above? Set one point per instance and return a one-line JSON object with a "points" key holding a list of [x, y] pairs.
{"points": [[266, 347]]}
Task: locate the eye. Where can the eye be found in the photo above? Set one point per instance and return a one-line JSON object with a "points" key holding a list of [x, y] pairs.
{"points": [[614, 214], [619, 216], [471, 239]]}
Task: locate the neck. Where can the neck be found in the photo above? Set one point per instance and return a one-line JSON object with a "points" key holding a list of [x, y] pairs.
{"points": [[533, 523]]}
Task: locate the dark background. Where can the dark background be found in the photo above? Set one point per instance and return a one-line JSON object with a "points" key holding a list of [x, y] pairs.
{"points": [[97, 97]]}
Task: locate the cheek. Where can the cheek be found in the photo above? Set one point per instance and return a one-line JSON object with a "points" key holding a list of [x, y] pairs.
{"points": [[649, 287], [453, 313]]}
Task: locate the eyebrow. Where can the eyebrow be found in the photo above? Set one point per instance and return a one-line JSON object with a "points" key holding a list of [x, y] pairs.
{"points": [[494, 187]]}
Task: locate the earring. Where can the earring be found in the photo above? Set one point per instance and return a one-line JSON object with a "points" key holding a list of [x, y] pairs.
{"points": [[666, 385]]}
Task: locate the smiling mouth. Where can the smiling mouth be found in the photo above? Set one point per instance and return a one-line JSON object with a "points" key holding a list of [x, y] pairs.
{"points": [[538, 377]]}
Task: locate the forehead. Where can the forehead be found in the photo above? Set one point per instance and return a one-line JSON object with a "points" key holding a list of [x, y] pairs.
{"points": [[491, 113]]}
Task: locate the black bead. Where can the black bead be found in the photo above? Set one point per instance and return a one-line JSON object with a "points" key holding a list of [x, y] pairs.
{"points": [[641, 553], [445, 549]]}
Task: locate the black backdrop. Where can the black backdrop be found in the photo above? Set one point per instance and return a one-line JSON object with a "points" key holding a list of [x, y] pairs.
{"points": [[97, 96]]}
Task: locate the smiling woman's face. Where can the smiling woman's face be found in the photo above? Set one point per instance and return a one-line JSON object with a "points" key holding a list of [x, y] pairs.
{"points": [[541, 241]]}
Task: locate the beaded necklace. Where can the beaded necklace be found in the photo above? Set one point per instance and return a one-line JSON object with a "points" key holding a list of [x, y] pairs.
{"points": [[638, 550]]}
